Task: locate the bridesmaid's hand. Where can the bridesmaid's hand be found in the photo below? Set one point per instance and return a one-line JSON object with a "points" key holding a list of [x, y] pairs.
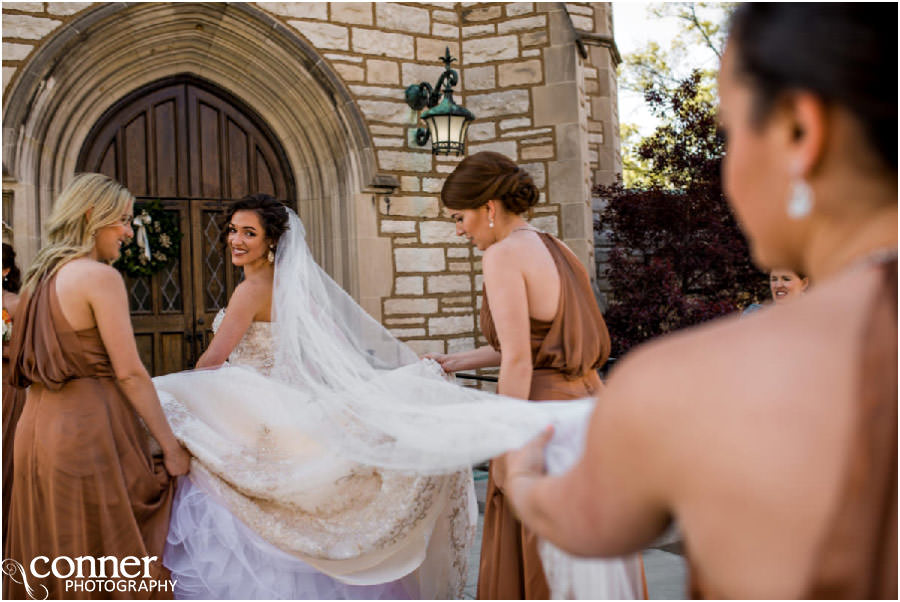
{"points": [[447, 361], [527, 463], [177, 460]]}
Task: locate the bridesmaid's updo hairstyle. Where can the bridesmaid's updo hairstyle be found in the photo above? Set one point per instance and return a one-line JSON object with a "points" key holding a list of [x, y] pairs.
{"points": [[272, 214], [846, 53], [487, 176]]}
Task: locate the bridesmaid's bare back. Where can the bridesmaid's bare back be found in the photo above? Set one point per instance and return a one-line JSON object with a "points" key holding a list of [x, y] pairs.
{"points": [[753, 468], [528, 253]]}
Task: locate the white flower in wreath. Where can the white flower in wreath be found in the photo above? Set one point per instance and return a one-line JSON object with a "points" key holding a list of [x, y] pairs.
{"points": [[159, 256], [164, 241]]}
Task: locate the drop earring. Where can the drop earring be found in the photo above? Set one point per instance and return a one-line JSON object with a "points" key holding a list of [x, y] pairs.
{"points": [[800, 203], [491, 224], [271, 255]]}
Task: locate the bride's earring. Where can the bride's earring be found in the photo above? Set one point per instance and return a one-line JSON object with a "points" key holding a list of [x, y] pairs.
{"points": [[271, 255], [491, 224]]}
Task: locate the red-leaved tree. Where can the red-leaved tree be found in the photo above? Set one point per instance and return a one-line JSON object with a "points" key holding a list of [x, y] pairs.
{"points": [[678, 257]]}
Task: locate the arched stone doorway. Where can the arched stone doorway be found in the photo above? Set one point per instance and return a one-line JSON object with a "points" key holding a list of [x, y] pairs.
{"points": [[191, 146], [112, 50]]}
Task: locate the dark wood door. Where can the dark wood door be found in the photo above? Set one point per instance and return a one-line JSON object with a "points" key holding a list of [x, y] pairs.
{"points": [[191, 146]]}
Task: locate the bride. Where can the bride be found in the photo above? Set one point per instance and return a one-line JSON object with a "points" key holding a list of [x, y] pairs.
{"points": [[328, 460]]}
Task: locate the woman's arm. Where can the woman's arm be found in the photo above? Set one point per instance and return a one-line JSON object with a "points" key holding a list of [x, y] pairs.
{"points": [[611, 502], [109, 304], [509, 310], [242, 307], [483, 357]]}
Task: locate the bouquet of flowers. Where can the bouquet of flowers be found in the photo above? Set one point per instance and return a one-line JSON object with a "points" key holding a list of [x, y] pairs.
{"points": [[7, 326]]}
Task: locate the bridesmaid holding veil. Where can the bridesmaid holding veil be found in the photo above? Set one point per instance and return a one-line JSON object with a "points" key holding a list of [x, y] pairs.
{"points": [[772, 440], [544, 330], [85, 483]]}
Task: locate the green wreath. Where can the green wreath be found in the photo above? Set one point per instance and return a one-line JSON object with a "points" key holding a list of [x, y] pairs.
{"points": [[163, 236]]}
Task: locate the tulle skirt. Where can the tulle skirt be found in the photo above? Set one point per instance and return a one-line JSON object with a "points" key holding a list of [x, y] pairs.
{"points": [[213, 555]]}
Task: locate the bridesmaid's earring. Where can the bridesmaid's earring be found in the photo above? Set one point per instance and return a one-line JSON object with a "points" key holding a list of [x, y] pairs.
{"points": [[491, 224], [271, 255], [800, 204], [801, 200]]}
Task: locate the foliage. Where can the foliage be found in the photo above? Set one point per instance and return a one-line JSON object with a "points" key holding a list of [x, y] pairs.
{"points": [[696, 47], [678, 256], [164, 237]]}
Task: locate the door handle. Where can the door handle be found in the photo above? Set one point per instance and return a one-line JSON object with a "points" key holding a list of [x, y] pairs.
{"points": [[191, 349]]}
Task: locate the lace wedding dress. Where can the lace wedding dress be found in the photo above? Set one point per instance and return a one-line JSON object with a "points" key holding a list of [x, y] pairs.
{"points": [[226, 544], [327, 457]]}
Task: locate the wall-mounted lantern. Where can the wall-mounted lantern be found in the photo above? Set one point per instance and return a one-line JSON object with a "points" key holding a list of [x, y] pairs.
{"points": [[447, 122]]}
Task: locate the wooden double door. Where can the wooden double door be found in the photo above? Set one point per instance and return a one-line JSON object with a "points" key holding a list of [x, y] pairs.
{"points": [[193, 148]]}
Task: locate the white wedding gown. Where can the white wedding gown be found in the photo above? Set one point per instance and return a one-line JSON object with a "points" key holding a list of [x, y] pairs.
{"points": [[330, 462], [213, 553]]}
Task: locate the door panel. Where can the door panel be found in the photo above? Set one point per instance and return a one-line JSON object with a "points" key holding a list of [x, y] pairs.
{"points": [[191, 146], [218, 276], [162, 307]]}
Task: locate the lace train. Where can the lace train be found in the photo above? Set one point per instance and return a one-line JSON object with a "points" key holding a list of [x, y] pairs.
{"points": [[213, 555]]}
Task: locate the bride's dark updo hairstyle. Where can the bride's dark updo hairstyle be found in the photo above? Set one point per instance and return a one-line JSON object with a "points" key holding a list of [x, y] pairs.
{"points": [[488, 175], [846, 53], [272, 214]]}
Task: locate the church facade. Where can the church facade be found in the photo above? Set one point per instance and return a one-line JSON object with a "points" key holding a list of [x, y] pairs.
{"points": [[196, 104]]}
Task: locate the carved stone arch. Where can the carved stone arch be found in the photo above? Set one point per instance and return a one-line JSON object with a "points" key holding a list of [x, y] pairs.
{"points": [[114, 49]]}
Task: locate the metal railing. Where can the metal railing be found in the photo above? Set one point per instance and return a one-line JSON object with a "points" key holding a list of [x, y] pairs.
{"points": [[492, 379]]}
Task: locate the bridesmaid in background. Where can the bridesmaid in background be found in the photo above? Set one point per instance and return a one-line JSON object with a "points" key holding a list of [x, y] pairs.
{"points": [[543, 316], [85, 483], [13, 397]]}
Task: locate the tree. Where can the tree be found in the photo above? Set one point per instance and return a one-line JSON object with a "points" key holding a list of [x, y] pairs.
{"points": [[697, 46], [678, 256]]}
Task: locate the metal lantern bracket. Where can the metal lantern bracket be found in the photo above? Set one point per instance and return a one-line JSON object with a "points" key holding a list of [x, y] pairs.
{"points": [[438, 100], [423, 95]]}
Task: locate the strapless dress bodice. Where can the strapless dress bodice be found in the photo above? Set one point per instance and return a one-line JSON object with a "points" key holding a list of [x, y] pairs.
{"points": [[255, 349]]}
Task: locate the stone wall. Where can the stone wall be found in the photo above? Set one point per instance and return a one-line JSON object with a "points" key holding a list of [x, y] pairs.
{"points": [[539, 96]]}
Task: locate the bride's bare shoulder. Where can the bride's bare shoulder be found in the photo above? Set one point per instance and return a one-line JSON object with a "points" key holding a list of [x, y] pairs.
{"points": [[249, 296]]}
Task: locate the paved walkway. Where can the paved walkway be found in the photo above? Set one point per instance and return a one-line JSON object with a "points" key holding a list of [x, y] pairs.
{"points": [[665, 570]]}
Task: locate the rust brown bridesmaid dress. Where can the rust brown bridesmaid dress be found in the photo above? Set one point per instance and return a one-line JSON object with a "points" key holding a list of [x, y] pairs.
{"points": [[566, 353], [85, 483], [13, 403]]}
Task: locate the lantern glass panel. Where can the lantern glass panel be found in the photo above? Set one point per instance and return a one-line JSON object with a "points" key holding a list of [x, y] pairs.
{"points": [[443, 123], [457, 128], [432, 129], [463, 132]]}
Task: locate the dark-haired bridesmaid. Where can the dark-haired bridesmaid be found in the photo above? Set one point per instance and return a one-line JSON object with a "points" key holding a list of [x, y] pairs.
{"points": [[544, 330], [772, 440]]}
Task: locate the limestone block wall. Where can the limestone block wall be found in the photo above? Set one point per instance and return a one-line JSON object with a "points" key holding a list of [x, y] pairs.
{"points": [[537, 97]]}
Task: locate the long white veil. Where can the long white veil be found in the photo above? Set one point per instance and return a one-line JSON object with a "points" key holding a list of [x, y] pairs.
{"points": [[378, 403]]}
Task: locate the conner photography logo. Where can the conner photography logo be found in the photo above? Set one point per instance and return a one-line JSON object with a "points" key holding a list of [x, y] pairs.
{"points": [[86, 574]]}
